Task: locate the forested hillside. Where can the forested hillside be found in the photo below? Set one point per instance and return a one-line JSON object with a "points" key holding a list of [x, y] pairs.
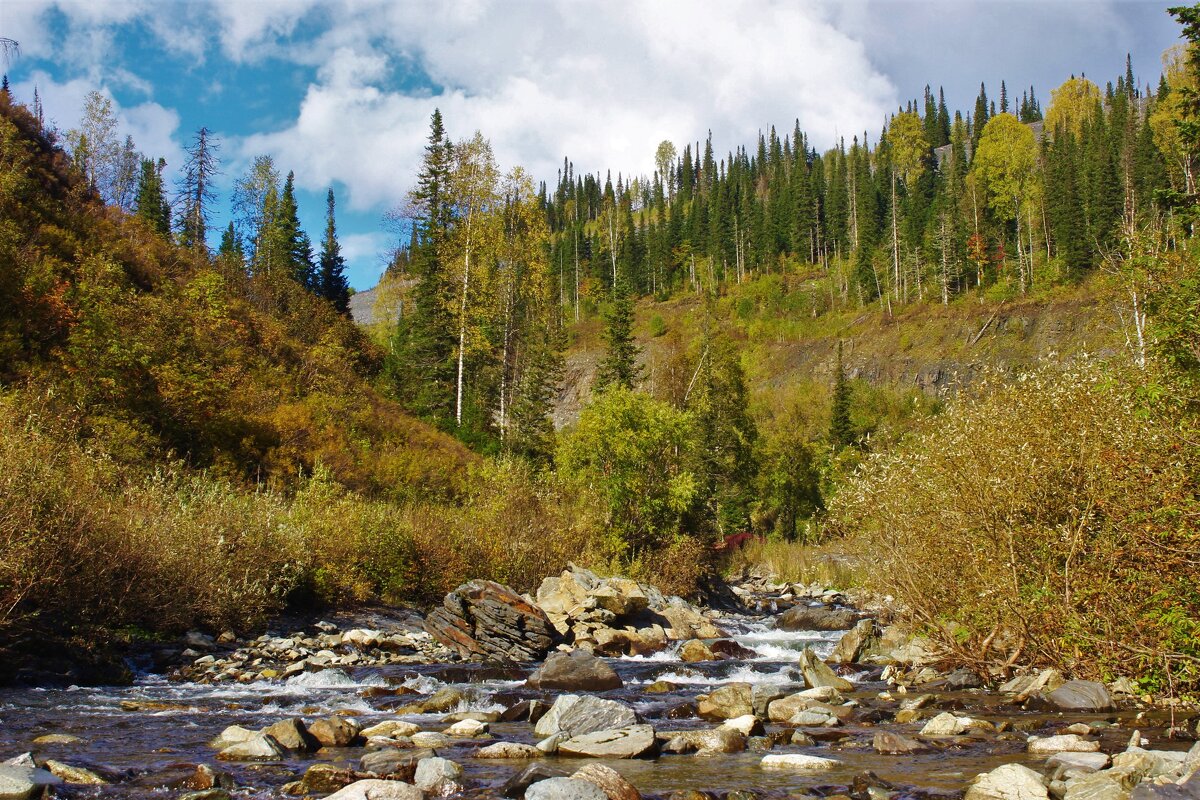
{"points": [[889, 346]]}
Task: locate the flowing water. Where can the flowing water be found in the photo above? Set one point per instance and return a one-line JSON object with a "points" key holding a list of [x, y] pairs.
{"points": [[146, 735]]}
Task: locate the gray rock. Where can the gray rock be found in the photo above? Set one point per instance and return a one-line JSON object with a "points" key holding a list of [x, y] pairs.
{"points": [[21, 782], [1080, 696], [1009, 782], [259, 747], [485, 618], [817, 673], [390, 762], [1063, 743], [373, 789], [717, 740], [334, 731], [611, 782], [517, 784], [291, 734], [799, 762], [631, 742], [575, 671], [1077, 762], [589, 714], [436, 774], [1188, 790], [852, 644], [565, 789], [816, 618]]}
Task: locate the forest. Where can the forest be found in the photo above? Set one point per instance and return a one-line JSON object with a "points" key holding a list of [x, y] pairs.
{"points": [[174, 413]]}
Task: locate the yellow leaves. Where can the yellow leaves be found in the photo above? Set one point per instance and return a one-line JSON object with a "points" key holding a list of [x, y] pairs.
{"points": [[1072, 105], [906, 137], [1006, 164]]}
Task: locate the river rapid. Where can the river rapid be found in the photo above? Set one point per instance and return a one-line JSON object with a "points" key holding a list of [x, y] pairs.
{"points": [[147, 736]]}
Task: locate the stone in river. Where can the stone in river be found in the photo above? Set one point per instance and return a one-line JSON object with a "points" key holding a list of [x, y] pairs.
{"points": [[72, 774], [1009, 782], [631, 742], [895, 744], [517, 784], [695, 650], [611, 782], [799, 762], [565, 789], [387, 762], [817, 673], [816, 618], [21, 782], [334, 731], [1063, 743], [291, 734], [575, 715], [485, 618], [727, 702], [259, 747], [1080, 696], [373, 789], [575, 671], [508, 750], [438, 775]]}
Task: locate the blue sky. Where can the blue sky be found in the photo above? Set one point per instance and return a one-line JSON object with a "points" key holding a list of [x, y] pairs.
{"points": [[340, 91]]}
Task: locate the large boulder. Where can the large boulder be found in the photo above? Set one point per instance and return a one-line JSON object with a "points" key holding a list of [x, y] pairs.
{"points": [[259, 747], [1009, 782], [855, 642], [574, 715], [613, 783], [727, 702], [799, 762], [631, 742], [486, 619], [1080, 696], [817, 673], [575, 671], [816, 618]]}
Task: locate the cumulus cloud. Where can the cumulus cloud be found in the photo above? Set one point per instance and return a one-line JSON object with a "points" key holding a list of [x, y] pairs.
{"points": [[601, 85]]}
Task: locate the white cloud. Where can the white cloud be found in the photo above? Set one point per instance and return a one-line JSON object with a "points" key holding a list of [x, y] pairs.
{"points": [[152, 126], [600, 84]]}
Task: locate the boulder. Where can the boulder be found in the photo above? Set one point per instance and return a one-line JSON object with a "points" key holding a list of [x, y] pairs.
{"points": [[854, 642], [695, 650], [232, 735], [1077, 762], [259, 747], [565, 789], [575, 715], [467, 729], [727, 702], [21, 782], [631, 742], [508, 750], [372, 789], [430, 739], [1080, 696], [1063, 743], [437, 775], [1009, 782], [687, 622], [816, 618], [799, 762], [611, 782], [334, 731], [783, 709], [291, 734], [574, 671], [947, 724], [729, 649], [57, 738], [746, 725], [817, 673], [487, 619]]}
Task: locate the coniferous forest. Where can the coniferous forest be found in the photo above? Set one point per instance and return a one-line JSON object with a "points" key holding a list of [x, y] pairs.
{"points": [[587, 368]]}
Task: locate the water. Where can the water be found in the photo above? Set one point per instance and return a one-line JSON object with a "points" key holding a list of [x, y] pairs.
{"points": [[150, 733]]}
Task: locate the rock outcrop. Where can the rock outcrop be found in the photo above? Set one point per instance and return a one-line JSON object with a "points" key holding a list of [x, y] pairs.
{"points": [[484, 619]]}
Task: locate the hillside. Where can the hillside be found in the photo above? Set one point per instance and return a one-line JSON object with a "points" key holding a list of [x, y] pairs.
{"points": [[787, 349]]}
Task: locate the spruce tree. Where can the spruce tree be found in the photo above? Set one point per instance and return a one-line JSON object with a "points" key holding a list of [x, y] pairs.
{"points": [[619, 366], [841, 431], [150, 203], [331, 277]]}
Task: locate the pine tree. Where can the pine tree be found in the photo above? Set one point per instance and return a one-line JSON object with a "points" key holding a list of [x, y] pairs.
{"points": [[150, 202], [331, 277], [232, 254], [841, 431], [619, 366]]}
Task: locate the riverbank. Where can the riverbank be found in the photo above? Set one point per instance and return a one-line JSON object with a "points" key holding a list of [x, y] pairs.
{"points": [[752, 710]]}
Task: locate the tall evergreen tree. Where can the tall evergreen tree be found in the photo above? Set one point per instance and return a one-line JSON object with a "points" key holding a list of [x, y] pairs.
{"points": [[150, 202], [619, 366], [331, 275], [841, 431]]}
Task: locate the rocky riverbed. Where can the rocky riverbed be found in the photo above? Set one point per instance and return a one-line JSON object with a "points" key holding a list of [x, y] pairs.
{"points": [[593, 689]]}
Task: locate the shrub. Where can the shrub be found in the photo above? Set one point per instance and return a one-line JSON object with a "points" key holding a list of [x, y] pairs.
{"points": [[1048, 521]]}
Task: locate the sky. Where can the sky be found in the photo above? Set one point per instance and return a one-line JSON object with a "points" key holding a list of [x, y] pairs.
{"points": [[341, 91]]}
